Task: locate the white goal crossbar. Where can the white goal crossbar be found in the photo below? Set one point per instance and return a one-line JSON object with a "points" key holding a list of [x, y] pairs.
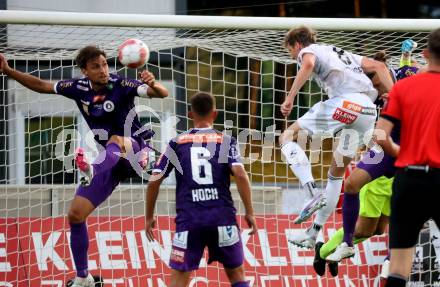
{"points": [[210, 22]]}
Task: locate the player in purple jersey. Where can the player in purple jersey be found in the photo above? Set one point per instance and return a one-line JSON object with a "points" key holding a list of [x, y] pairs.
{"points": [[375, 163], [204, 159], [106, 102]]}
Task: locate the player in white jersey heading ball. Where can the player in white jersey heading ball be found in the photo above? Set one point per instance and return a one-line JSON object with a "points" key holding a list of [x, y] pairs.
{"points": [[349, 110]]}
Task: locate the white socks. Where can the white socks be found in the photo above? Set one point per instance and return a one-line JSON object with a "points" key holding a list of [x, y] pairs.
{"points": [[314, 230], [332, 192], [298, 161]]}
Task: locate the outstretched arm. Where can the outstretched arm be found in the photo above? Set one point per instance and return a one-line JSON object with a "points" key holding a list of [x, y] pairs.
{"points": [[406, 59], [307, 65], [157, 90], [244, 189], [31, 82]]}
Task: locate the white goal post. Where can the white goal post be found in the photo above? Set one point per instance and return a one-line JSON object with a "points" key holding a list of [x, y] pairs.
{"points": [[241, 61]]}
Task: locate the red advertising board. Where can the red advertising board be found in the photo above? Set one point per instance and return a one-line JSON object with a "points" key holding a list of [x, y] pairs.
{"points": [[35, 252]]}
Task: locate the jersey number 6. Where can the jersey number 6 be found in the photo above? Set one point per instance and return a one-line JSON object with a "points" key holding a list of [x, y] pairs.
{"points": [[200, 166]]}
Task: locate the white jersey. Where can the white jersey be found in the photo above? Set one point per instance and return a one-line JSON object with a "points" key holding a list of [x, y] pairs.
{"points": [[338, 72]]}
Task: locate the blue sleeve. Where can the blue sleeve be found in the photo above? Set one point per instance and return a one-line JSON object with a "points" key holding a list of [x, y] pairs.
{"points": [[66, 88], [165, 163]]}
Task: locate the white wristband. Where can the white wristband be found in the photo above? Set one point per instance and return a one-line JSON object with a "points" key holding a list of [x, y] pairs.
{"points": [[142, 91]]}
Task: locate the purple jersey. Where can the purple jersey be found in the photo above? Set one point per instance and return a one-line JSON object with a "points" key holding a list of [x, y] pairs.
{"points": [[106, 110], [203, 159], [405, 71]]}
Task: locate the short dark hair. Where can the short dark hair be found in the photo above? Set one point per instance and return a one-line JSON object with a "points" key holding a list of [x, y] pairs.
{"points": [[303, 35], [381, 56], [88, 53], [202, 104], [434, 43]]}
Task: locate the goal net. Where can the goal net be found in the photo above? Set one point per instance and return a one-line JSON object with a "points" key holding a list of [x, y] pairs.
{"points": [[249, 73]]}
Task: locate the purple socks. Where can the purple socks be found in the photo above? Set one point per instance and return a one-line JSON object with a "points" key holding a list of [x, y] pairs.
{"points": [[79, 243], [350, 213], [107, 159]]}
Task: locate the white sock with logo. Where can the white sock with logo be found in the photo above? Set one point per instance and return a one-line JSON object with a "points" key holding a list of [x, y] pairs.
{"points": [[314, 230], [298, 162], [332, 192]]}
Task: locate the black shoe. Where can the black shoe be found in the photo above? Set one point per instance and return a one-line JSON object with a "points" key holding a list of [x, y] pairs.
{"points": [[333, 268], [318, 262], [99, 281]]}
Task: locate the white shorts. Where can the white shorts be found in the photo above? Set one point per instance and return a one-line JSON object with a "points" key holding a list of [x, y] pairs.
{"points": [[353, 115]]}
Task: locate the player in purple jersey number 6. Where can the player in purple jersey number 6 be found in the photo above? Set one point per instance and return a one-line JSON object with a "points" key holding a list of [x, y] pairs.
{"points": [[204, 159], [105, 101]]}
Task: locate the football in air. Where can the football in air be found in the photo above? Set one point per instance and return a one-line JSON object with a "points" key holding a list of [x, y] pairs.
{"points": [[133, 53]]}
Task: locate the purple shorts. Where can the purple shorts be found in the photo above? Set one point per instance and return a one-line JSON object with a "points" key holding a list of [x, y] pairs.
{"points": [[377, 164], [223, 242], [103, 184]]}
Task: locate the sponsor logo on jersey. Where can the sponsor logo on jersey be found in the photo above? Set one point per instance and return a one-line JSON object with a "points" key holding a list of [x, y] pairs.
{"points": [[227, 235], [109, 106], [369, 111], [177, 255], [344, 117], [352, 106], [128, 83], [180, 239], [98, 98], [200, 138], [64, 85], [82, 88], [359, 109]]}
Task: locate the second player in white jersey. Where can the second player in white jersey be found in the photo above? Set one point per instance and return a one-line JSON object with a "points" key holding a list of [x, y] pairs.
{"points": [[349, 110], [338, 72]]}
